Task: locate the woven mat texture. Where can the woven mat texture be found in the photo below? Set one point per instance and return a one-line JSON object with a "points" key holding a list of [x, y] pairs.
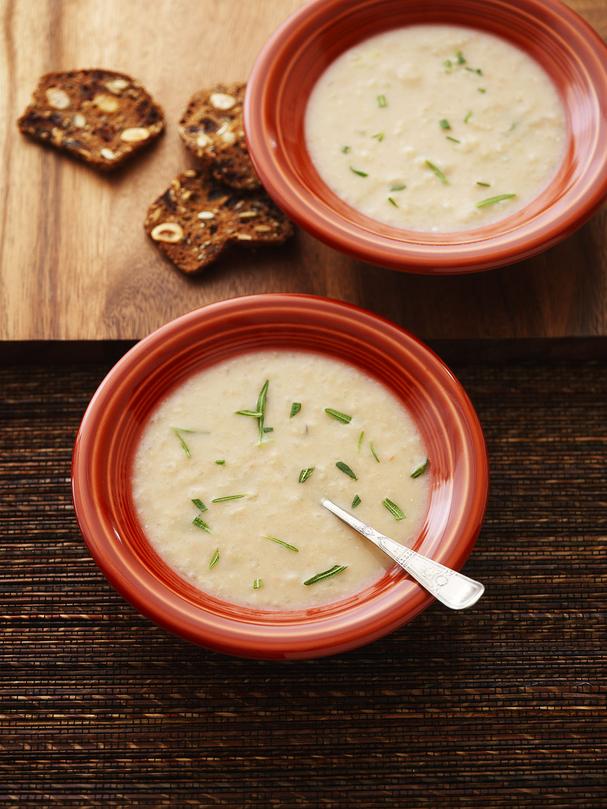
{"points": [[500, 706]]}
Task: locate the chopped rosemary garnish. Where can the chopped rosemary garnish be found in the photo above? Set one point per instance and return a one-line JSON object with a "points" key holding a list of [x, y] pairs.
{"points": [[476, 70], [228, 497], [283, 543], [359, 172], [343, 467], [444, 124], [343, 417], [455, 140], [382, 101], [305, 474], [356, 502], [419, 470], [214, 559], [393, 202], [361, 438], [200, 523], [394, 510], [254, 414], [261, 407], [295, 408], [398, 187], [257, 584], [494, 200], [268, 429], [332, 571], [346, 149], [220, 462], [178, 432], [482, 184], [435, 169], [468, 116], [461, 59], [199, 504], [379, 136], [482, 89], [448, 64], [374, 453]]}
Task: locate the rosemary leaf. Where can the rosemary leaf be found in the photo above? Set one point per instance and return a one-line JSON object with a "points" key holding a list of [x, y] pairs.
{"points": [[257, 584], [255, 414], [382, 101], [335, 414], [305, 474], [178, 432], [419, 470], [361, 438], [476, 70], [295, 408], [393, 202], [214, 559], [461, 59], [220, 462], [200, 523], [356, 502], [343, 467], [199, 504], [261, 407], [453, 140], [332, 571], [227, 498], [435, 169], [485, 203], [374, 453], [346, 149], [468, 116], [283, 544], [359, 172], [398, 187], [482, 90], [379, 136], [481, 184], [444, 124], [394, 510]]}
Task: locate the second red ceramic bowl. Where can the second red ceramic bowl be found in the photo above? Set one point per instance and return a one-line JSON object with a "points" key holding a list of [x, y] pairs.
{"points": [[297, 54], [113, 422]]}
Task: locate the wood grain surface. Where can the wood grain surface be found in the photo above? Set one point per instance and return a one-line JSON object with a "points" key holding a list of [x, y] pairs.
{"points": [[500, 706], [75, 263]]}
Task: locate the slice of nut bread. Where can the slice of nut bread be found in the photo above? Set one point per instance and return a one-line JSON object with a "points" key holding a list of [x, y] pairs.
{"points": [[197, 219], [211, 128], [98, 116]]}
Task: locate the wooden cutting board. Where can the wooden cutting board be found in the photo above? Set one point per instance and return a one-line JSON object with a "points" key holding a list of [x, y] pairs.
{"points": [[76, 264]]}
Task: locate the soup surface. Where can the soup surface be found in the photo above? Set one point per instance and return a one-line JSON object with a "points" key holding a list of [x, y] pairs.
{"points": [[236, 509], [435, 128]]}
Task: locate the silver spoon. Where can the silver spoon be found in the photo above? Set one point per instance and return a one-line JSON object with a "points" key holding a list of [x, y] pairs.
{"points": [[453, 589]]}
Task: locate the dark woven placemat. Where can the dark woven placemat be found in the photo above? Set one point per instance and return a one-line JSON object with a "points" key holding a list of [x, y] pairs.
{"points": [[500, 706]]}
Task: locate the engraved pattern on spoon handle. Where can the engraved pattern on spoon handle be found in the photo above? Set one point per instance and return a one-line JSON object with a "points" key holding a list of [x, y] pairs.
{"points": [[451, 588], [448, 586]]}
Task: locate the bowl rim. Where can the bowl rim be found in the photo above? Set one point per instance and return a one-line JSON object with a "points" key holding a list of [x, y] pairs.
{"points": [[364, 238], [150, 595]]}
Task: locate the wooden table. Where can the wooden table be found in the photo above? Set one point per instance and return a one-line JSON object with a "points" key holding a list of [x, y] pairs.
{"points": [[76, 265]]}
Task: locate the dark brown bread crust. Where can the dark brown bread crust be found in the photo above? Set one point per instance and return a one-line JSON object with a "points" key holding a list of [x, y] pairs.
{"points": [[98, 116], [197, 218], [212, 129]]}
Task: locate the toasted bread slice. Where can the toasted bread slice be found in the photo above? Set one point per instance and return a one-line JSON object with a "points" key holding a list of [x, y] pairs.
{"points": [[98, 116], [212, 129], [197, 219]]}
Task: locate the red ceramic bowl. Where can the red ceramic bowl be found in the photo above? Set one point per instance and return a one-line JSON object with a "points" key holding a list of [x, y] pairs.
{"points": [[298, 53], [113, 422]]}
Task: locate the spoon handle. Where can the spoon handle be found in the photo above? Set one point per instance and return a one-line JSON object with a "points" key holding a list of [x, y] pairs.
{"points": [[451, 588]]}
